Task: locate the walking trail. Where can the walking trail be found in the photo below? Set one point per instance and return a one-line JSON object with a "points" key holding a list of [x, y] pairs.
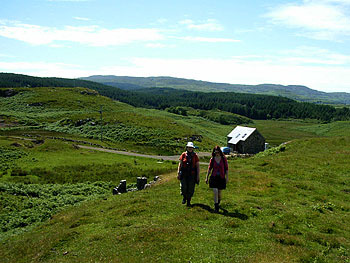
{"points": [[163, 157]]}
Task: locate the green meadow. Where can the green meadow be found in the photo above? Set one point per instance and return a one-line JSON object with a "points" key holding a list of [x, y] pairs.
{"points": [[330, 129], [287, 204]]}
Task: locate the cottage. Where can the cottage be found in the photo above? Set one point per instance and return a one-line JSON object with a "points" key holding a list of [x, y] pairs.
{"points": [[245, 140]]}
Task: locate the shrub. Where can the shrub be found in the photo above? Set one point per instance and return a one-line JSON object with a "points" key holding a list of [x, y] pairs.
{"points": [[24, 205]]}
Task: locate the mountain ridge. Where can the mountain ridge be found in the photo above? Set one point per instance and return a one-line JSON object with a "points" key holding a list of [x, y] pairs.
{"points": [[296, 92]]}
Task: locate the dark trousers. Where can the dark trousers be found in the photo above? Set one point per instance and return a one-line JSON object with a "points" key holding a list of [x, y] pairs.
{"points": [[187, 184]]}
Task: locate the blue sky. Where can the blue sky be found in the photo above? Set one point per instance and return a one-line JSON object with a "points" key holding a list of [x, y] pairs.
{"points": [[301, 42]]}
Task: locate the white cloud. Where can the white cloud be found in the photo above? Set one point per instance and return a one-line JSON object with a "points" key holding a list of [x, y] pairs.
{"points": [[208, 25], [92, 35], [81, 18], [312, 55], [323, 19], [87, 35], [342, 2], [43, 69]]}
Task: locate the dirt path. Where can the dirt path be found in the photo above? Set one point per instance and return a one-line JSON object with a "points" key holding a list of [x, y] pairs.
{"points": [[163, 157], [159, 157]]}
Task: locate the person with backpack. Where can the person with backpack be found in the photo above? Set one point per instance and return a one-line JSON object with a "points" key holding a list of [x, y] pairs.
{"points": [[219, 175], [188, 173]]}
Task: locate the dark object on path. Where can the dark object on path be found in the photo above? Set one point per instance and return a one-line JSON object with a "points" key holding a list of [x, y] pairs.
{"points": [[141, 182]]}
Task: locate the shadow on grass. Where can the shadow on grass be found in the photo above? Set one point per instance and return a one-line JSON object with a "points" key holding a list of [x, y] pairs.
{"points": [[222, 211]]}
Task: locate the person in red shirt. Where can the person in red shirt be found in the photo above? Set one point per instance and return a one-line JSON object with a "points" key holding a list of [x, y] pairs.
{"points": [[188, 173], [219, 175]]}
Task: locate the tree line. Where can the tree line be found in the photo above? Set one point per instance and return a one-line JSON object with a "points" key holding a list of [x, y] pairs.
{"points": [[249, 105]]}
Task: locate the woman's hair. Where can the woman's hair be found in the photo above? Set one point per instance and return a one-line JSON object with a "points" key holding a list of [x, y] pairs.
{"points": [[217, 148]]}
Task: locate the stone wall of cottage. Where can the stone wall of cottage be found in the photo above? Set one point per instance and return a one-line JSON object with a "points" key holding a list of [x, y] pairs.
{"points": [[253, 144]]}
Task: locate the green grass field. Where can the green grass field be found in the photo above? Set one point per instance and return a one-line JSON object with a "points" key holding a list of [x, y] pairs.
{"points": [[55, 161], [339, 128], [291, 206]]}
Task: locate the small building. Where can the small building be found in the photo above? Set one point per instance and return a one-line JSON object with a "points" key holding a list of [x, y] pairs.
{"points": [[245, 140]]}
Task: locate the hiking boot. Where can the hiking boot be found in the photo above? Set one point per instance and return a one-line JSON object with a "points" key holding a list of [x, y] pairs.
{"points": [[216, 205]]}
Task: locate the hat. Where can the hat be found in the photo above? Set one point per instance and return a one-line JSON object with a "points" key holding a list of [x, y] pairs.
{"points": [[190, 144]]}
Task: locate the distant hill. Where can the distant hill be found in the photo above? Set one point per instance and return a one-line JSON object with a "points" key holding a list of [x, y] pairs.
{"points": [[296, 92]]}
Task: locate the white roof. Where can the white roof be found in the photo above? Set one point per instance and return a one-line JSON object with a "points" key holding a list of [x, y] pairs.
{"points": [[240, 133]]}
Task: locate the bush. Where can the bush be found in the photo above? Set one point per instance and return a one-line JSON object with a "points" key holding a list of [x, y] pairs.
{"points": [[272, 151], [8, 157], [24, 205]]}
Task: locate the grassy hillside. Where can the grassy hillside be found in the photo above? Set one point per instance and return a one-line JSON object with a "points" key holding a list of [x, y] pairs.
{"points": [[291, 206], [330, 129], [295, 92], [76, 112], [277, 132]]}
